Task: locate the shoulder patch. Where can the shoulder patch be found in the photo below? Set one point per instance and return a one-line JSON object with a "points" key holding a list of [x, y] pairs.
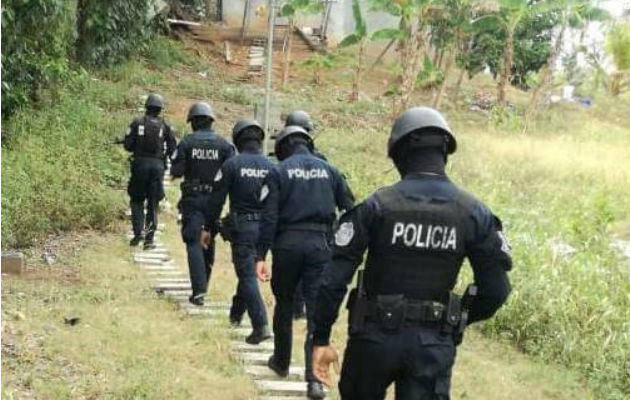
{"points": [[344, 234]]}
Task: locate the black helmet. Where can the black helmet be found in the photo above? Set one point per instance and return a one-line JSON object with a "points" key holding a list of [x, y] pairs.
{"points": [[289, 131], [300, 118], [200, 109], [419, 118], [244, 124], [154, 100]]}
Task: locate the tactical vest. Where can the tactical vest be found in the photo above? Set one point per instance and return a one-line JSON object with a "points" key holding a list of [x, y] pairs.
{"points": [[418, 249], [150, 139], [203, 160]]}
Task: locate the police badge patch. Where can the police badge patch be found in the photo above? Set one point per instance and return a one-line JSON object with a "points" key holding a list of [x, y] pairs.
{"points": [[344, 234]]}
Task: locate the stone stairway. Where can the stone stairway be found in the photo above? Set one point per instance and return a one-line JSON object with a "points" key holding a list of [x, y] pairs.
{"points": [[166, 278]]}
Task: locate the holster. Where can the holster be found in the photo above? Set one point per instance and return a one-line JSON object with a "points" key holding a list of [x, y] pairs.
{"points": [[228, 226], [452, 316], [357, 308], [391, 311]]}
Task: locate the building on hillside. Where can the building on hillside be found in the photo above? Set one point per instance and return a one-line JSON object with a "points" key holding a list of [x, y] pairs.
{"points": [[334, 23]]}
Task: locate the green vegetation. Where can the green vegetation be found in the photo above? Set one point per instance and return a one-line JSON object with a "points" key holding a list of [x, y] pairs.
{"points": [[60, 168], [128, 344], [560, 184]]}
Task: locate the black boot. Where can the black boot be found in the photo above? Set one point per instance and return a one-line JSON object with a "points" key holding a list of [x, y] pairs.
{"points": [[315, 390], [148, 244], [281, 372], [258, 335], [196, 299], [135, 240]]}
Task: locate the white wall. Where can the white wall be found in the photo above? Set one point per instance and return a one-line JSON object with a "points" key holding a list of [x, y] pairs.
{"points": [[341, 22]]}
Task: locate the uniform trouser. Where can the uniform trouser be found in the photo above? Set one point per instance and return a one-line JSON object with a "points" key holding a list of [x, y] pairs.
{"points": [[297, 255], [200, 260], [145, 184], [418, 360], [298, 300], [247, 296]]}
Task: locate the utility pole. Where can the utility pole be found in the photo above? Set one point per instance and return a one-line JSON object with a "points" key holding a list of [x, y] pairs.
{"points": [[270, 29]]}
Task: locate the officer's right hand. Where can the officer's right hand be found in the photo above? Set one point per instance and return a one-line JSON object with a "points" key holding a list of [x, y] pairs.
{"points": [[323, 356], [261, 271], [206, 239]]}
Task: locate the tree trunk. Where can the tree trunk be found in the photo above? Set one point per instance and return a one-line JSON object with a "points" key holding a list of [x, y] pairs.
{"points": [[458, 85], [438, 96], [504, 79], [440, 59], [357, 77], [546, 78], [380, 56], [410, 56], [287, 53], [209, 10]]}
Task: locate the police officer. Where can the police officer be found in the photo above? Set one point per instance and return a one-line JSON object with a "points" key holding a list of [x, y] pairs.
{"points": [[417, 233], [299, 197], [242, 177], [198, 158], [303, 119], [151, 139]]}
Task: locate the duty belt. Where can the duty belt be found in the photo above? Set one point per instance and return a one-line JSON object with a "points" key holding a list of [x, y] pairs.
{"points": [[305, 226], [415, 311], [196, 188], [248, 216]]}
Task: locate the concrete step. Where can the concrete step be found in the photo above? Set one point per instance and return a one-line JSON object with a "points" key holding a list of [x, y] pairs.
{"points": [[167, 273], [249, 358], [149, 261], [243, 347], [152, 256], [155, 268], [171, 279], [204, 312], [281, 398], [281, 388], [171, 286], [263, 372]]}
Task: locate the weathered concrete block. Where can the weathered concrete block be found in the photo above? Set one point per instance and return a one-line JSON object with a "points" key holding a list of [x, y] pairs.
{"points": [[281, 388], [243, 347], [12, 263], [263, 372], [253, 358]]}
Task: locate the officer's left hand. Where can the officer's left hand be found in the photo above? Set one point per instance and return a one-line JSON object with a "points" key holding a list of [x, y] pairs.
{"points": [[323, 356], [261, 271], [206, 239]]}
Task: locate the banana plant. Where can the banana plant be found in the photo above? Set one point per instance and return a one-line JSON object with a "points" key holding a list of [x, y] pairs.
{"points": [[361, 37], [292, 9], [571, 13], [508, 17], [318, 63], [414, 17]]}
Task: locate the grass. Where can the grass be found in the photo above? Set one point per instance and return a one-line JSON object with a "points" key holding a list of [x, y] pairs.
{"points": [[129, 343], [564, 181]]}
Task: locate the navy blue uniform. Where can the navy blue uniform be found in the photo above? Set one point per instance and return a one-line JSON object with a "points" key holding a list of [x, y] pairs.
{"points": [[417, 233], [198, 158], [300, 196], [152, 141], [242, 178], [298, 300]]}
